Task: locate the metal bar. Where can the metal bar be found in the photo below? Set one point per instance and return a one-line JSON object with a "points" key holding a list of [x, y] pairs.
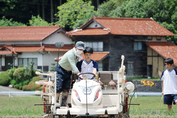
{"points": [[128, 104], [55, 90], [43, 104]]}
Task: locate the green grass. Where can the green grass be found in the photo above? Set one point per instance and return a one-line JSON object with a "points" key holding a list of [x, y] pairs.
{"points": [[150, 106], [21, 106], [15, 106]]}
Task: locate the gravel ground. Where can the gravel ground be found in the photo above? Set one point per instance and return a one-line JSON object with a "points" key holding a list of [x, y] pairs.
{"points": [[9, 89], [5, 88]]}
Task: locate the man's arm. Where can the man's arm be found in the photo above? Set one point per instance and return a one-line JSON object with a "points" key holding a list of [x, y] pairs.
{"points": [[72, 63]]}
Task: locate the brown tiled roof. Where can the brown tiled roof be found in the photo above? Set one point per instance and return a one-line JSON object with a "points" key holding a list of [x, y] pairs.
{"points": [[8, 49], [90, 31], [6, 52], [16, 49], [52, 48], [26, 33], [26, 48], [165, 49], [125, 26], [97, 56]]}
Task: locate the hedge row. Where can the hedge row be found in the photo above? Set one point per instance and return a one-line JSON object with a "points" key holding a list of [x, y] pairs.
{"points": [[20, 78]]}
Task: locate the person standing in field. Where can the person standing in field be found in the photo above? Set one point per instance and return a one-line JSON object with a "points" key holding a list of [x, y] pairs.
{"points": [[66, 65], [169, 84]]}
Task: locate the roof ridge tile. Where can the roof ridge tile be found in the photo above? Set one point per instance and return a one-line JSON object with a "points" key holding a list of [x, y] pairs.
{"points": [[123, 18]]}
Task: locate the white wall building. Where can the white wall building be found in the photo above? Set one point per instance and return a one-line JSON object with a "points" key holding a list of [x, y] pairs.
{"points": [[22, 45]]}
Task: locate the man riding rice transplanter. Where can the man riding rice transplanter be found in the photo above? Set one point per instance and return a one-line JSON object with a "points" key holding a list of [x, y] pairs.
{"points": [[88, 65], [66, 65], [169, 84]]}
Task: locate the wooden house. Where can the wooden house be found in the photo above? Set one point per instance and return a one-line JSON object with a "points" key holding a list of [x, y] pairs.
{"points": [[141, 40]]}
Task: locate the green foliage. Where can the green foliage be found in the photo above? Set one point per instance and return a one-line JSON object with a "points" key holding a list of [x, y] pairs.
{"points": [[20, 76], [19, 85], [162, 11], [36, 78], [52, 67], [32, 86], [74, 12], [10, 64], [19, 73], [28, 71], [5, 22], [10, 72], [38, 21], [13, 82], [105, 8], [4, 79]]}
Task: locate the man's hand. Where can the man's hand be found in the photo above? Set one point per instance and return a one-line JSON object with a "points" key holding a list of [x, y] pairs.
{"points": [[79, 76], [162, 92]]}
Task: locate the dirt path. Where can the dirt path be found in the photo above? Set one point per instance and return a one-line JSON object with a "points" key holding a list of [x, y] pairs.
{"points": [[10, 91], [5, 88]]}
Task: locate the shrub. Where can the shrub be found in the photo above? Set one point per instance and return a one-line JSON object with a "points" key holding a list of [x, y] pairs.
{"points": [[32, 86], [19, 86], [11, 71], [27, 73], [19, 73], [36, 78], [13, 82], [25, 88], [52, 67], [26, 82], [4, 78]]}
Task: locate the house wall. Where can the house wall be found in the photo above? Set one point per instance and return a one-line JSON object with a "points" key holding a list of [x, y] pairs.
{"points": [[94, 25], [104, 39], [47, 58], [121, 45], [124, 45], [58, 37], [156, 62]]}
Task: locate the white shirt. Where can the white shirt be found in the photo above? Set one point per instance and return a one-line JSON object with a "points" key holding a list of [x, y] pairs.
{"points": [[87, 67], [169, 79]]}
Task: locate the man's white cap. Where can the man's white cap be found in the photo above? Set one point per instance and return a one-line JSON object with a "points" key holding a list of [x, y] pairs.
{"points": [[80, 45]]}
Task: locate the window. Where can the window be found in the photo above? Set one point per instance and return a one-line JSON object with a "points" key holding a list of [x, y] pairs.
{"points": [[137, 45], [25, 61], [130, 68], [97, 46], [100, 66]]}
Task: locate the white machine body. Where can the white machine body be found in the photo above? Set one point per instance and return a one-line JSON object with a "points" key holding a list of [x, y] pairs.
{"points": [[87, 97]]}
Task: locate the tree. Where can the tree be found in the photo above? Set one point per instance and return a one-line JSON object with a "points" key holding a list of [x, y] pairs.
{"points": [[162, 11], [5, 22], [73, 13], [38, 21], [105, 8]]}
